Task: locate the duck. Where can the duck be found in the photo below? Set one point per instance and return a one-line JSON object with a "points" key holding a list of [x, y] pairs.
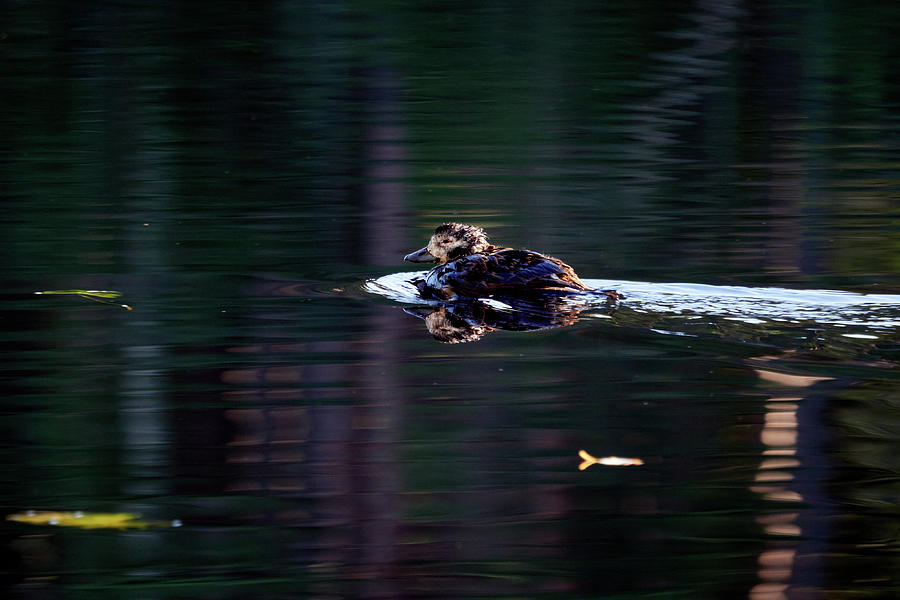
{"points": [[469, 266]]}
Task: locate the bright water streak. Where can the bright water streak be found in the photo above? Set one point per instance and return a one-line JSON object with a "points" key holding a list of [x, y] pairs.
{"points": [[748, 304]]}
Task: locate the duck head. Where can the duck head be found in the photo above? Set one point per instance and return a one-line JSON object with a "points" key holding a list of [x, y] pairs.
{"points": [[448, 328], [451, 241]]}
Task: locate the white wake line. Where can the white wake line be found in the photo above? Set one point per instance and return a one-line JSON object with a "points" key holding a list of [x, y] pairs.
{"points": [[748, 304], [705, 291]]}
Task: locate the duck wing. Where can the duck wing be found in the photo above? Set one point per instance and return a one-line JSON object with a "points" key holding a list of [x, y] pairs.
{"points": [[509, 271]]}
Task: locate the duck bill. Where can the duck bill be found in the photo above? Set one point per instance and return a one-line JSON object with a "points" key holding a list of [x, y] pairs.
{"points": [[420, 311], [422, 255]]}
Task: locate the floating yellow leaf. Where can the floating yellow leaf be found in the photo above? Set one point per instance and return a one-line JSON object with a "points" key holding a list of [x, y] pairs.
{"points": [[85, 293], [610, 461], [87, 520], [102, 296]]}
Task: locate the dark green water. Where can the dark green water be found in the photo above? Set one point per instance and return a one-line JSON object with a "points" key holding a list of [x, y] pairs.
{"points": [[239, 171]]}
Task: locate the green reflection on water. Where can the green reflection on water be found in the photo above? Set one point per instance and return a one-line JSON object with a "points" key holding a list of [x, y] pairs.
{"points": [[232, 168]]}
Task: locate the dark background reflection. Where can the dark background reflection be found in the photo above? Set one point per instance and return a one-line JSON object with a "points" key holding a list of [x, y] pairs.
{"points": [[239, 169]]}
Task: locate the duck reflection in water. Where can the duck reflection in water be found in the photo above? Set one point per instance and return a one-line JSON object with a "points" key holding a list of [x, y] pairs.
{"points": [[482, 287], [468, 320]]}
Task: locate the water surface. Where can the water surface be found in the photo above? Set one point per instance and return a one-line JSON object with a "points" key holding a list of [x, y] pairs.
{"points": [[245, 177]]}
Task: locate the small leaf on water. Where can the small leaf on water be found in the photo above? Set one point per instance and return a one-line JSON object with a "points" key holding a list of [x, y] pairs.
{"points": [[102, 296], [610, 461], [84, 293], [85, 520]]}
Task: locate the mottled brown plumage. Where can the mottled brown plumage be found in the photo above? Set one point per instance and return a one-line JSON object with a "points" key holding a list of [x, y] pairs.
{"points": [[472, 267]]}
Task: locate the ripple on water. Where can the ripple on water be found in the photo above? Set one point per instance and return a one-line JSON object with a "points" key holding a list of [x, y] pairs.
{"points": [[752, 305]]}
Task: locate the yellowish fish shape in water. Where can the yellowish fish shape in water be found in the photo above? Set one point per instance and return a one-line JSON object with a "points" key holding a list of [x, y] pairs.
{"points": [[610, 461]]}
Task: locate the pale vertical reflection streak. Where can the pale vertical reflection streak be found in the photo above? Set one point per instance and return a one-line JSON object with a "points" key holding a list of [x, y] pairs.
{"points": [[773, 481], [146, 171]]}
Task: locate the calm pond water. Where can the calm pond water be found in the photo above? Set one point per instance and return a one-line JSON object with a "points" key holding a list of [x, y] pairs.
{"points": [[274, 401]]}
